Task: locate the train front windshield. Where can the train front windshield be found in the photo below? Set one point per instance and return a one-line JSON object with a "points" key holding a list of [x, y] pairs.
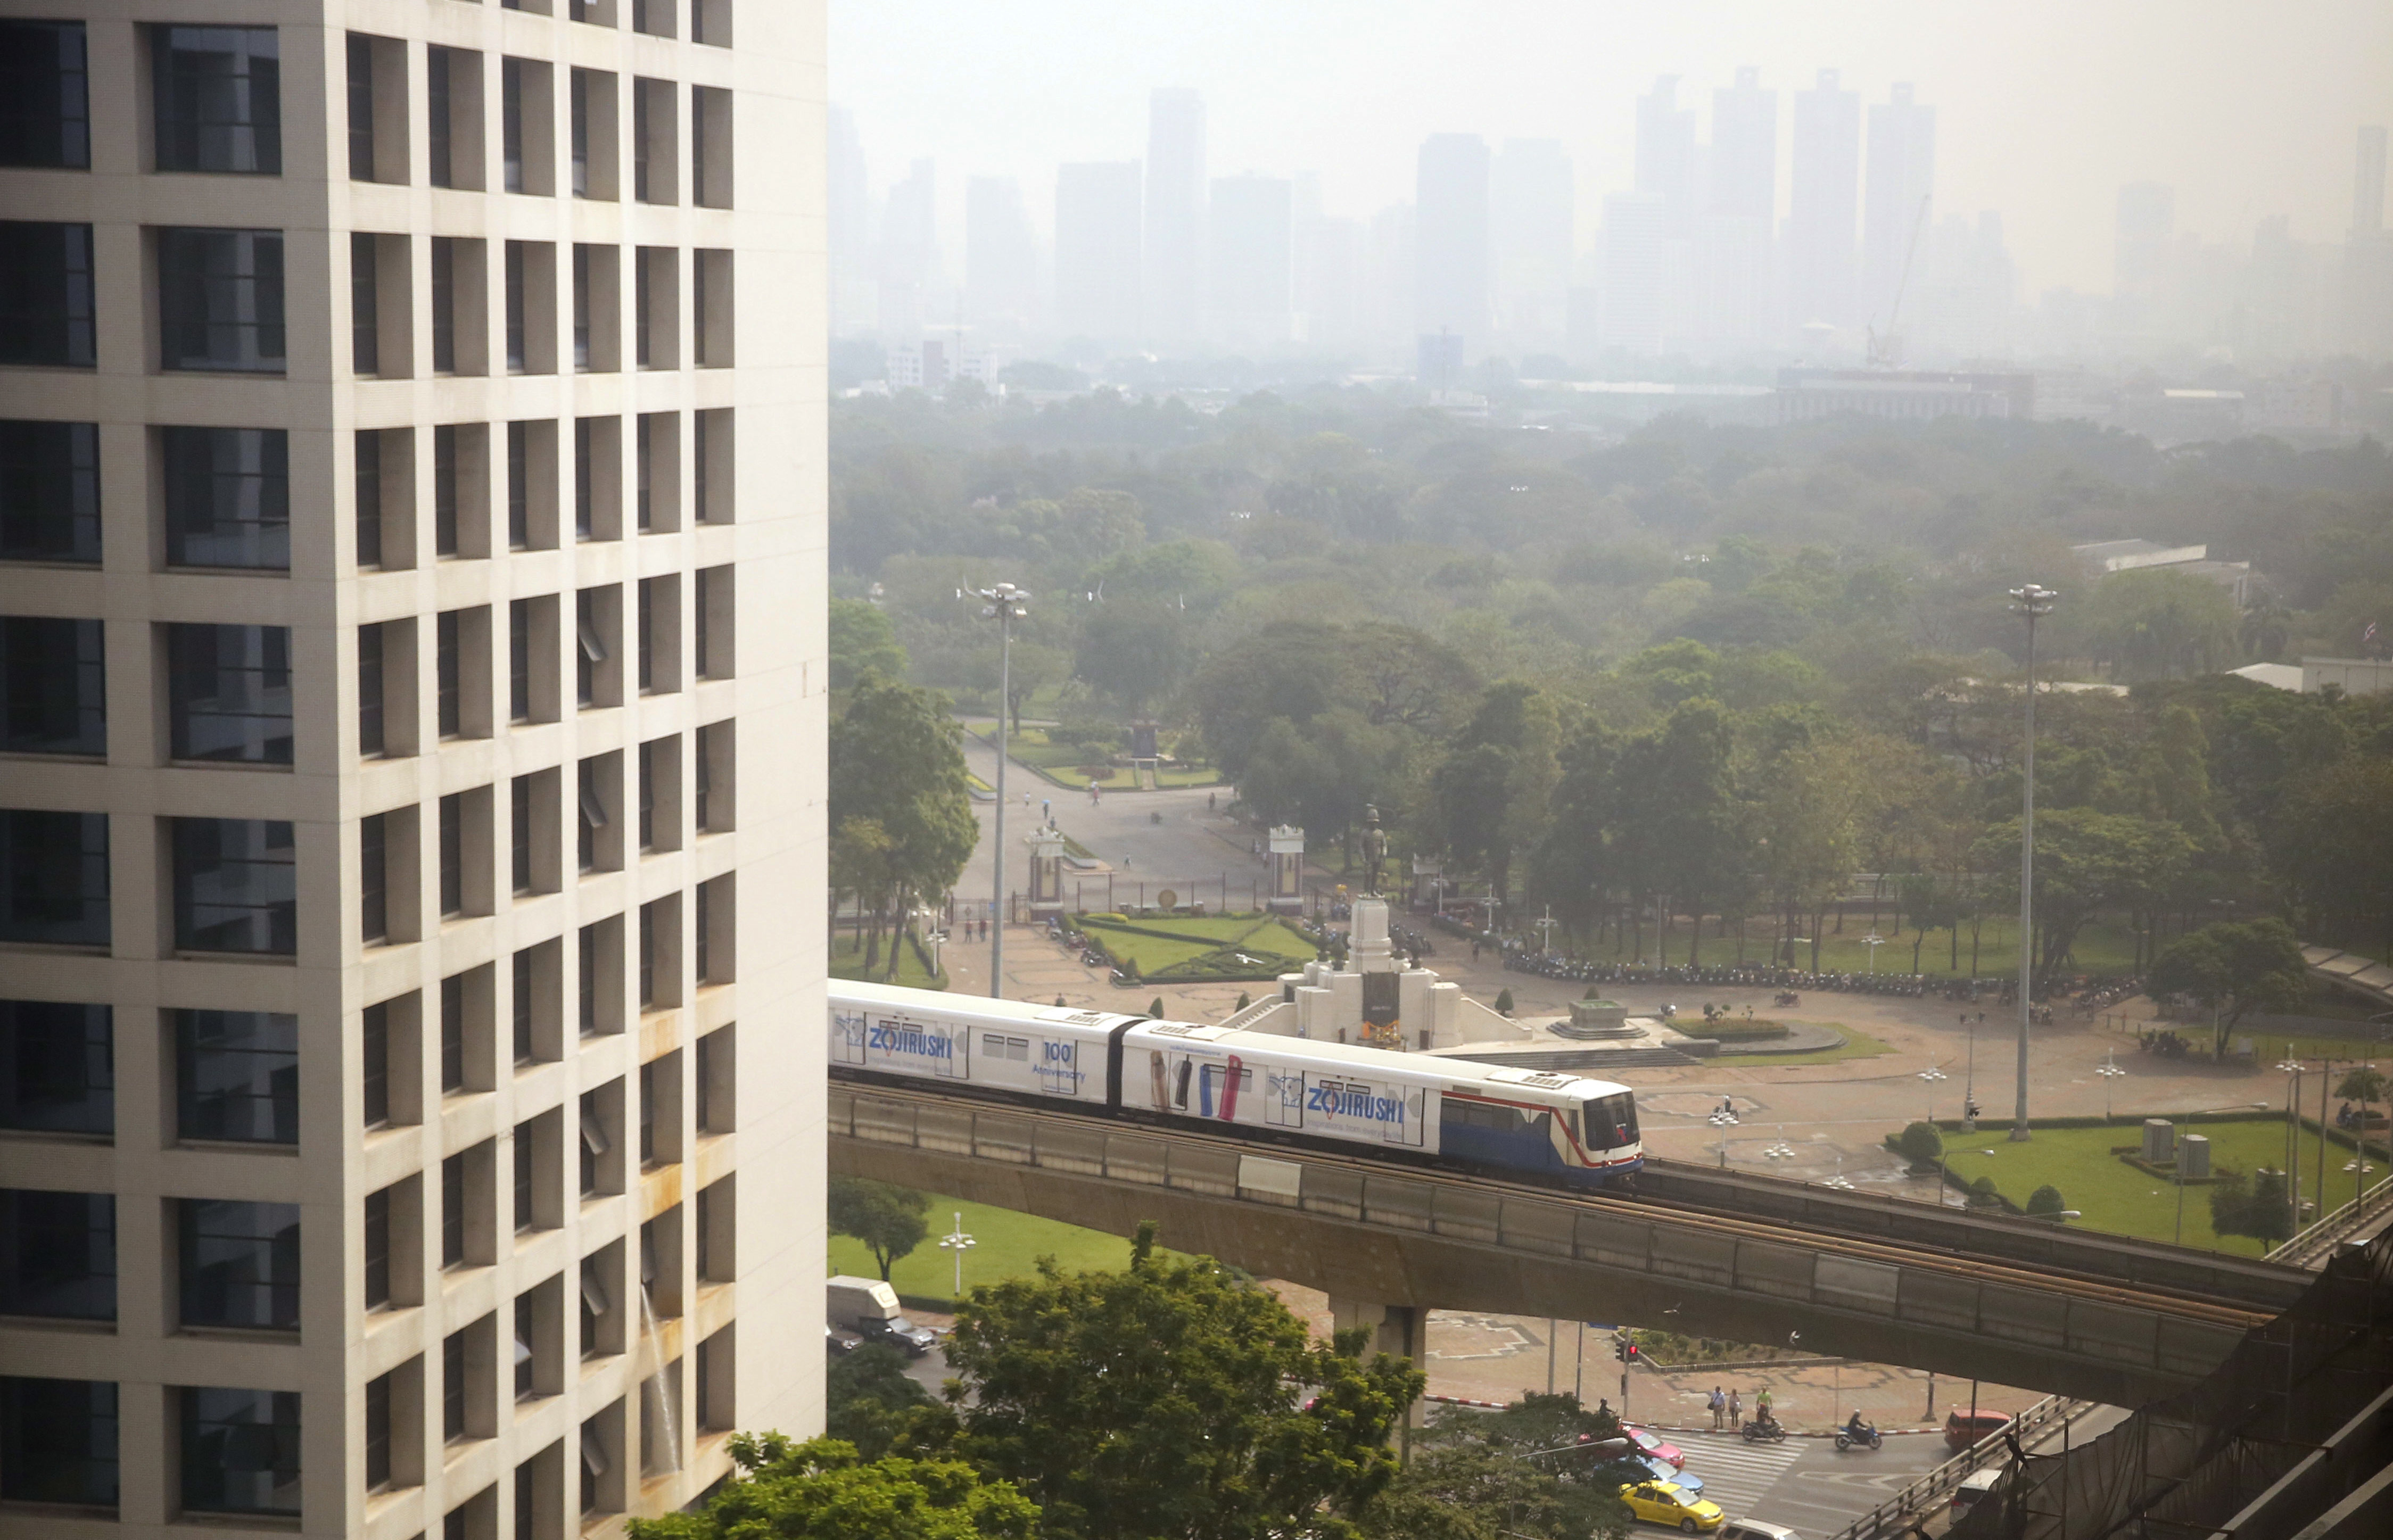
{"points": [[1611, 1121]]}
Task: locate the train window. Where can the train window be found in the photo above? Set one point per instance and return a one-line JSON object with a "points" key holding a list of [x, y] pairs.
{"points": [[1612, 1121], [992, 1045], [1017, 1047]]}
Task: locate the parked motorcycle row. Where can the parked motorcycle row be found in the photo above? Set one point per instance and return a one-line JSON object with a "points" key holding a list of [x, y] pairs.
{"points": [[1580, 971]]}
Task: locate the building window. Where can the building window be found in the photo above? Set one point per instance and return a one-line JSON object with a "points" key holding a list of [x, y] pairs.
{"points": [[519, 661], [437, 64], [378, 1432], [453, 1211], [58, 1067], [373, 879], [58, 1255], [368, 482], [236, 886], [59, 1439], [46, 294], [361, 109], [54, 878], [227, 494], [453, 855], [517, 303], [221, 300], [511, 124], [237, 1076], [229, 693], [49, 491], [376, 1238], [241, 1450], [239, 1264], [448, 671], [370, 741], [45, 94], [444, 305], [365, 308], [219, 99], [582, 309], [519, 487], [578, 98], [453, 1386], [53, 682], [452, 1034], [444, 488], [374, 1062]]}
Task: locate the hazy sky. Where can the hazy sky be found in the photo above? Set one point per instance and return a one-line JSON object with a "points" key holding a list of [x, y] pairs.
{"points": [[2247, 107]]}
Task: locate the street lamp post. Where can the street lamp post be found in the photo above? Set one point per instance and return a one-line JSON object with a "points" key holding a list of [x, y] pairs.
{"points": [[1873, 941], [2031, 604], [2109, 1072], [1724, 1120], [1004, 604], [2293, 1068], [959, 1243]]}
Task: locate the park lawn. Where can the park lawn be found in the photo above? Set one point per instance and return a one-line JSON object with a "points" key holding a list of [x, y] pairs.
{"points": [[1261, 936], [1150, 952], [2104, 946], [1857, 1045], [2119, 1199], [847, 962], [1006, 1244]]}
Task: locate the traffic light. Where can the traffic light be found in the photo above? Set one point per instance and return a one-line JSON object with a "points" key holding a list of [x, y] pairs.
{"points": [[1630, 1356], [1620, 1349]]}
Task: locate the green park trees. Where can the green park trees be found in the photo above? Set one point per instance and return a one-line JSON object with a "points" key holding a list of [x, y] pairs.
{"points": [[824, 1490], [2234, 969], [1170, 1398], [890, 1220], [900, 812]]}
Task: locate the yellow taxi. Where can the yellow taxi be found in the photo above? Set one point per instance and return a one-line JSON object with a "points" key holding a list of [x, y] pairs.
{"points": [[1667, 1503]]}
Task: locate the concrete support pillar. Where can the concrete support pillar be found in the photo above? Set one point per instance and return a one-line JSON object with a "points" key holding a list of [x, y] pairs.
{"points": [[1398, 1329]]}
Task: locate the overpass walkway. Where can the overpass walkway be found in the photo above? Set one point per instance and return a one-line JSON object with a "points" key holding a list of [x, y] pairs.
{"points": [[2016, 1301]]}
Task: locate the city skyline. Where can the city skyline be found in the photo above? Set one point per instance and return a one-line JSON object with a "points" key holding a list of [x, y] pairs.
{"points": [[2250, 120]]}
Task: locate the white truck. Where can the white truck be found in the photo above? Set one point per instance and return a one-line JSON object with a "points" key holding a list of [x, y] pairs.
{"points": [[869, 1308]]}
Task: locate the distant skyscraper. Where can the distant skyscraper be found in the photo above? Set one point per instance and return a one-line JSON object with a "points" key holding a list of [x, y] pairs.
{"points": [[1825, 205], [1734, 235], [2145, 224], [1393, 277], [1174, 288], [1097, 219], [1450, 241], [1001, 260], [1901, 179], [1666, 148], [1250, 261], [1332, 302], [1532, 208], [1638, 287], [2368, 258], [849, 214], [907, 261]]}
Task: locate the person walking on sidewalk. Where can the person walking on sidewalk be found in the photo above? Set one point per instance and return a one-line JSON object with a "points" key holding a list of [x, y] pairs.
{"points": [[1736, 1411], [1720, 1408]]}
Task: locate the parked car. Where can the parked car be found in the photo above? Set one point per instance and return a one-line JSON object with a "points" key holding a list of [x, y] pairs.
{"points": [[839, 1343], [1666, 1502], [1755, 1529], [1964, 1429], [1648, 1444], [869, 1308]]}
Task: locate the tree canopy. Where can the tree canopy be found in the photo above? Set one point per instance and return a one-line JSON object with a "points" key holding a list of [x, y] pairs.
{"points": [[823, 1490], [890, 1220]]}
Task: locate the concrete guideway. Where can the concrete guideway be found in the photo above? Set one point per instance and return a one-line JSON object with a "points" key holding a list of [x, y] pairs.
{"points": [[1393, 1240]]}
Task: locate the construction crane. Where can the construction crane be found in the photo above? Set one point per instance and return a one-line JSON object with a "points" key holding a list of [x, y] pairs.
{"points": [[1886, 348]]}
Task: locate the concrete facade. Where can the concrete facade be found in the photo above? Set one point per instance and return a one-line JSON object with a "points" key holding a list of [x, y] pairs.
{"points": [[648, 1018]]}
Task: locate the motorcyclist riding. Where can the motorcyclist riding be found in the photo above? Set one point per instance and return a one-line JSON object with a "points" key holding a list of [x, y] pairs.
{"points": [[1855, 1427]]}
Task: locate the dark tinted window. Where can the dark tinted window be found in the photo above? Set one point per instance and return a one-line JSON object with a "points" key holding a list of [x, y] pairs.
{"points": [[375, 1069], [236, 886], [45, 94], [365, 306], [58, 1254], [49, 491], [229, 693], [54, 878], [240, 1451], [58, 1070], [369, 493], [219, 99], [46, 294], [239, 1264], [57, 1442], [227, 497], [374, 877], [237, 1076], [361, 113], [1612, 1121], [52, 687], [370, 691], [221, 300]]}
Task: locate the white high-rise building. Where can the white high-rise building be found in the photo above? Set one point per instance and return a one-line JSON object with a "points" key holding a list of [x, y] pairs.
{"points": [[1896, 207], [1252, 266], [1734, 235], [1825, 207], [412, 850], [1172, 292], [1097, 251], [907, 254], [1639, 272], [854, 301], [1450, 245]]}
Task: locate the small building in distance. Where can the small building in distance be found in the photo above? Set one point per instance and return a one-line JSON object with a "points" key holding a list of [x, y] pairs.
{"points": [[2106, 556], [1902, 394]]}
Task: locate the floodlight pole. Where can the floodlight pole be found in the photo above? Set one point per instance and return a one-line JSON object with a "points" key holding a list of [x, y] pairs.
{"points": [[2031, 603], [1004, 606]]}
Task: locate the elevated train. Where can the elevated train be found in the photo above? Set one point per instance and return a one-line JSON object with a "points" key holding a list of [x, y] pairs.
{"points": [[1272, 1088]]}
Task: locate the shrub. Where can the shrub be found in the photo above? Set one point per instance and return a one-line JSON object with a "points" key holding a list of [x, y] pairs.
{"points": [[1155, 1008], [1504, 1003], [1243, 1001], [1981, 1192], [2044, 1201], [1922, 1144]]}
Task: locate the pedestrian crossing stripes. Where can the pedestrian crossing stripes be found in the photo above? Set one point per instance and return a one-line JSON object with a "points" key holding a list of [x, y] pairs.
{"points": [[1736, 1474]]}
